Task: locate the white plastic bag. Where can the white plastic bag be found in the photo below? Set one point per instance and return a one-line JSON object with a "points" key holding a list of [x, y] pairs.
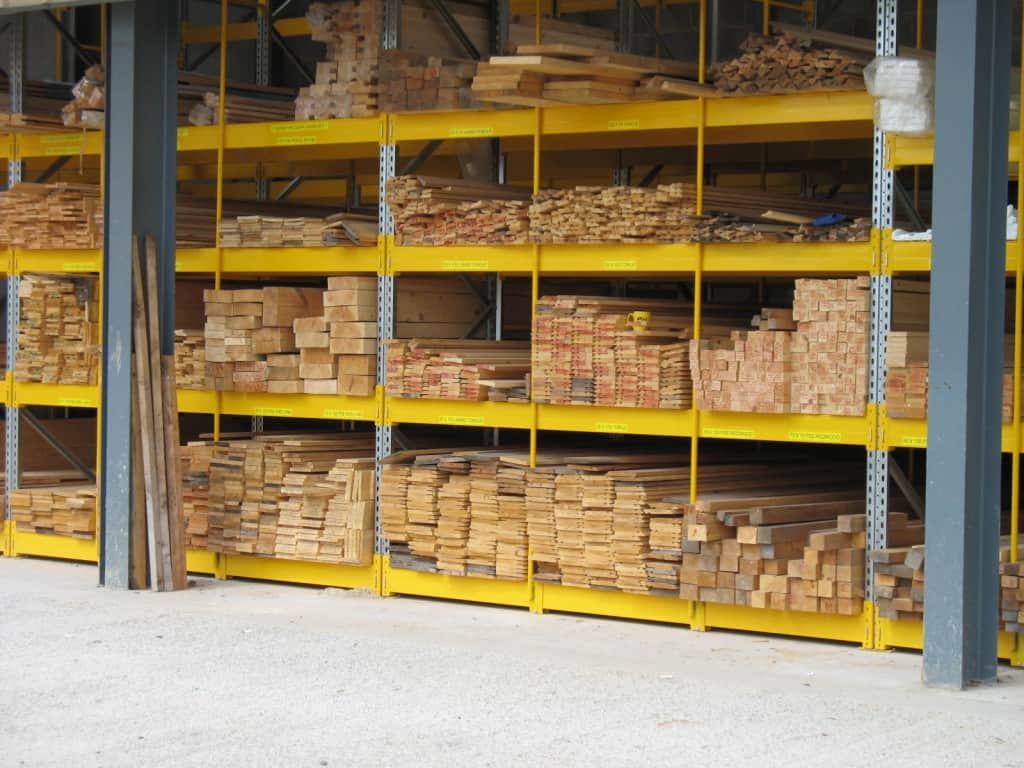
{"points": [[900, 77], [904, 117]]}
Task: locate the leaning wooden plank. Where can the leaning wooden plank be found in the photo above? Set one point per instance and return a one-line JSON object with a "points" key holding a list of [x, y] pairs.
{"points": [[156, 393], [172, 439], [145, 403], [137, 524]]}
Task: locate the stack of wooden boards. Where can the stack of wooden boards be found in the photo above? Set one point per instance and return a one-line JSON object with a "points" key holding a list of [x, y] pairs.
{"points": [[758, 537], [662, 214], [51, 216], [40, 109], [304, 496], [266, 230], [788, 62], [458, 369], [58, 330], [554, 74], [190, 358], [63, 510], [292, 340], [435, 211], [413, 83], [586, 351], [1011, 594], [906, 376], [346, 82], [240, 109], [812, 360]]}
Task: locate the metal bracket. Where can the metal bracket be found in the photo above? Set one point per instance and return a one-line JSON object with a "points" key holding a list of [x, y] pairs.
{"points": [[455, 28]]}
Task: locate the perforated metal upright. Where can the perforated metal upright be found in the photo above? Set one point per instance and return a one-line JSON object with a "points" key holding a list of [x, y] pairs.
{"points": [[881, 313], [15, 168], [387, 156]]}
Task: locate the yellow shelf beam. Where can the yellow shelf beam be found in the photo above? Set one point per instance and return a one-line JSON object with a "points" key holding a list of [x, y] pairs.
{"points": [[905, 256], [823, 626], [787, 427], [913, 433], [602, 602], [904, 151], [910, 634], [399, 581], [335, 407], [319, 261], [57, 395], [615, 421], [299, 571], [458, 413], [28, 544]]}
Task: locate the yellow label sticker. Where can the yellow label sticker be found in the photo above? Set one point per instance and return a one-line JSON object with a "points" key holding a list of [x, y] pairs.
{"points": [[911, 441], [79, 266], [293, 141], [620, 265], [304, 126], [807, 436], [266, 411], [465, 133], [611, 426], [464, 421], [740, 434], [75, 402], [341, 413], [623, 125], [464, 265]]}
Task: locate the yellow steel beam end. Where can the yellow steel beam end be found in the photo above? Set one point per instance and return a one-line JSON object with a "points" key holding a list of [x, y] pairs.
{"points": [[220, 567], [383, 562], [698, 617]]}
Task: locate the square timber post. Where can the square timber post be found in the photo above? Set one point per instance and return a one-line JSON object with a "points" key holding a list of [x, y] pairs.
{"points": [[966, 342], [139, 200]]}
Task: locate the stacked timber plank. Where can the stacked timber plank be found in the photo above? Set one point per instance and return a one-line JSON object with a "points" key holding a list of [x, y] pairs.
{"points": [[41, 106], [559, 73], [195, 493], [906, 382], [302, 496], [583, 214], [1011, 585], [899, 579], [585, 351], [63, 510], [346, 82], [190, 358], [434, 211], [50, 216], [784, 64], [271, 232], [458, 369], [412, 83], [240, 109], [58, 330]]}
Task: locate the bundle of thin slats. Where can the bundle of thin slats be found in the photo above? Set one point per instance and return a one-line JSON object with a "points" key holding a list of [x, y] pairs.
{"points": [[560, 73], [435, 211], [783, 64], [585, 351], [458, 369], [190, 358], [411, 83], [62, 510], [50, 216], [158, 524], [613, 215], [271, 232], [58, 330], [41, 106], [346, 82], [241, 109], [350, 229], [906, 378]]}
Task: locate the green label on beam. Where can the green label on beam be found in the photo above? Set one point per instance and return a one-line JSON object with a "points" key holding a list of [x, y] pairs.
{"points": [[339, 413], [79, 266], [462, 421], [914, 442], [466, 133], [611, 426], [620, 265], [75, 402], [293, 141], [265, 411], [623, 125], [740, 434], [465, 265], [303, 127], [803, 436]]}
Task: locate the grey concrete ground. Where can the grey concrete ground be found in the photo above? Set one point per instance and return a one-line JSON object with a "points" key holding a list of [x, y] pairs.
{"points": [[242, 674]]}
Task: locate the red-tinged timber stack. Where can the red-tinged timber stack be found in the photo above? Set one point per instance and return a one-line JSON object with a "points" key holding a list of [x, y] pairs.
{"points": [[458, 369], [587, 351]]}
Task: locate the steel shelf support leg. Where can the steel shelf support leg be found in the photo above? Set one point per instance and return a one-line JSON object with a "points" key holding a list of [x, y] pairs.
{"points": [[877, 490], [386, 327], [966, 343], [140, 153]]}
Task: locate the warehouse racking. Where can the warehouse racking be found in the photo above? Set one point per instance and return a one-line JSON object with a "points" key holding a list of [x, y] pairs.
{"points": [[700, 123]]}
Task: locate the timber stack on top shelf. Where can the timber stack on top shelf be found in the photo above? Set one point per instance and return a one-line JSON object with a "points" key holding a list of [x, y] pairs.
{"points": [[617, 320]]}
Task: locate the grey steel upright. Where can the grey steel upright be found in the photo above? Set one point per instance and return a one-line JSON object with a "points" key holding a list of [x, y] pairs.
{"points": [[140, 159], [966, 342]]}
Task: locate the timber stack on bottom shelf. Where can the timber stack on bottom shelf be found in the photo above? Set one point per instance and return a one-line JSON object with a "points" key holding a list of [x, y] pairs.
{"points": [[64, 510], [58, 330], [758, 537], [305, 496], [458, 369]]}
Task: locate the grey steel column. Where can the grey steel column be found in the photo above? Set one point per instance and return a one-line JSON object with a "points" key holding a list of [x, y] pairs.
{"points": [[140, 171], [966, 342], [877, 492]]}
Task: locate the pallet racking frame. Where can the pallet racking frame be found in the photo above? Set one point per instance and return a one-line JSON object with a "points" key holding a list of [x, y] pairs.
{"points": [[700, 123]]}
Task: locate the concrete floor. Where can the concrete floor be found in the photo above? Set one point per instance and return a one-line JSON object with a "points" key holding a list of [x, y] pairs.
{"points": [[242, 674]]}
